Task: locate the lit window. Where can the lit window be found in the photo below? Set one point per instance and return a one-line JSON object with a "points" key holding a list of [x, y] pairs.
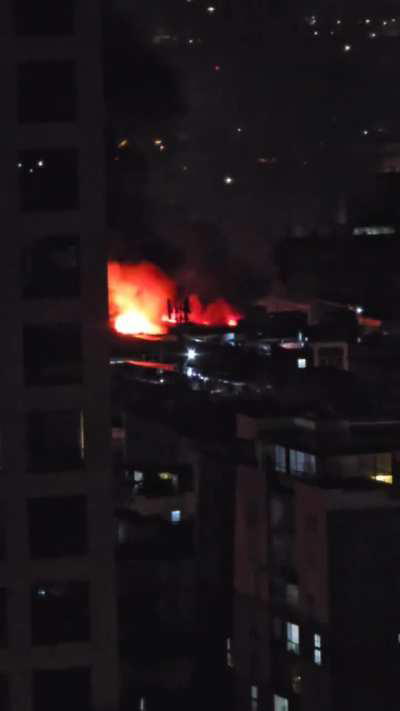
{"points": [[137, 476], [317, 654], [301, 363], [142, 704], [229, 656], [166, 476], [280, 458], [293, 638], [374, 230], [176, 516], [383, 478], [280, 703], [254, 697], [301, 462]]}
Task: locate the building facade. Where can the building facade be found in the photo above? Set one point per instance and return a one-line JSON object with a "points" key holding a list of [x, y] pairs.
{"points": [[58, 622], [316, 620]]}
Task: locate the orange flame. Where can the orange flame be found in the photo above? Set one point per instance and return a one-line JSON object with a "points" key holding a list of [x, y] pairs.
{"points": [[138, 296]]}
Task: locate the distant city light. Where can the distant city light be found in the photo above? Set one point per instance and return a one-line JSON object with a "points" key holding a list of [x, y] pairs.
{"points": [[347, 48], [217, 67], [228, 180], [124, 143], [359, 310], [40, 163], [211, 9], [191, 354]]}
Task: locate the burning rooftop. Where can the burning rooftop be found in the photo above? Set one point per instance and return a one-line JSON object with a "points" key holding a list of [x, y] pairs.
{"points": [[143, 299]]}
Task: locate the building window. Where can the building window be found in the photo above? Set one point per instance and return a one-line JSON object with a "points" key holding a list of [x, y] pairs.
{"points": [[60, 612], [4, 693], [52, 354], [277, 628], [229, 655], [254, 698], [3, 618], [44, 17], [48, 179], [301, 363], [280, 703], [382, 468], [293, 638], [317, 652], [51, 268], [176, 516], [47, 92], [280, 458], [302, 463], [57, 527], [292, 594], [54, 441], [3, 529], [61, 689]]}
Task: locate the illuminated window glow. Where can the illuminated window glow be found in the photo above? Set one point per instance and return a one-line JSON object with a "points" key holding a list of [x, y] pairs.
{"points": [[384, 478], [292, 638], [254, 697], [317, 653], [374, 231], [280, 703], [302, 462], [176, 516], [280, 458]]}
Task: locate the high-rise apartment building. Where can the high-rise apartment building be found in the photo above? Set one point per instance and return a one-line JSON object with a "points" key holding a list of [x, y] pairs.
{"points": [[57, 612], [316, 557]]}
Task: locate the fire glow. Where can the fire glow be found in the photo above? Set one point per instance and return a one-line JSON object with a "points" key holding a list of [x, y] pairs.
{"points": [[142, 299]]}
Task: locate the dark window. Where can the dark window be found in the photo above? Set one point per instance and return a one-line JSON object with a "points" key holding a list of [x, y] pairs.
{"points": [[51, 268], [47, 92], [4, 694], [3, 619], [60, 612], [44, 17], [57, 527], [54, 441], [52, 354], [64, 690], [48, 179]]}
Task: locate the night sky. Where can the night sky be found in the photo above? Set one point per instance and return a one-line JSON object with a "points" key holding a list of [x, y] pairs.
{"points": [[245, 124]]}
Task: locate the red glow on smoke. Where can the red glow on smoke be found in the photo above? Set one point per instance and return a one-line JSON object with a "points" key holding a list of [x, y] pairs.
{"points": [[138, 297]]}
